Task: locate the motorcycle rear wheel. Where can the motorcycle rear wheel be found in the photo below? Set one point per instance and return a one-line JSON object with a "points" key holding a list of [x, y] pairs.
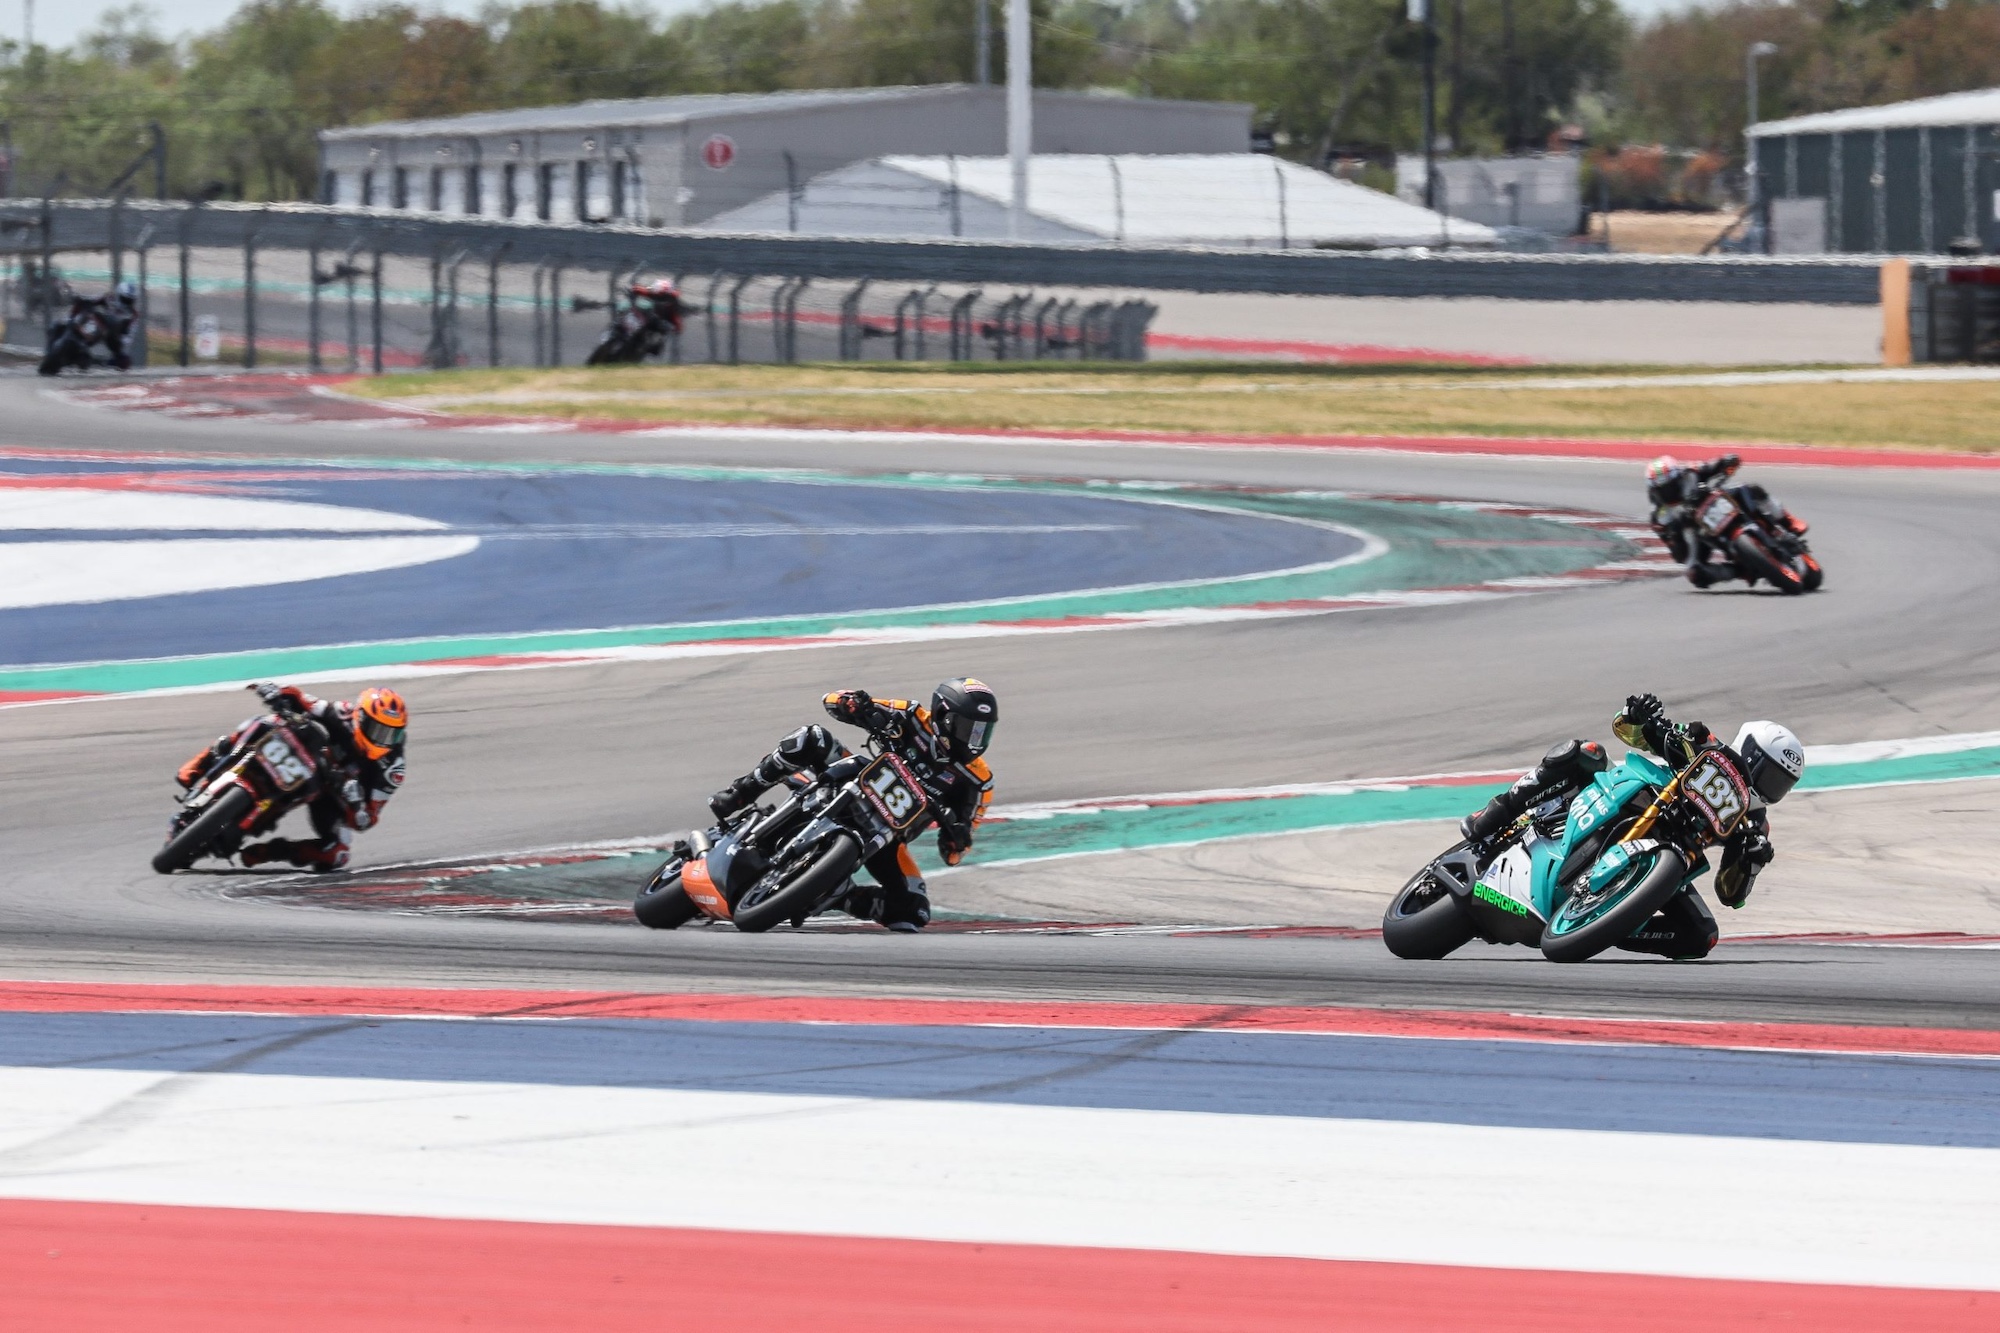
{"points": [[798, 895], [192, 843], [1619, 910], [609, 352], [1754, 557], [663, 904], [1424, 921]]}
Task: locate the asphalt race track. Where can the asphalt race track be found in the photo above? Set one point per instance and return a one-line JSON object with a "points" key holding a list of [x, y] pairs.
{"points": [[1905, 642]]}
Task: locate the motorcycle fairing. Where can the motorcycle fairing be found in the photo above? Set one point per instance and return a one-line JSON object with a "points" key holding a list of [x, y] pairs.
{"points": [[1501, 903], [1608, 794]]}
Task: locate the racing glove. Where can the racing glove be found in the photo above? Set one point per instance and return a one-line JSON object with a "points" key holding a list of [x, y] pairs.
{"points": [[1739, 872], [1639, 723], [954, 841], [850, 706], [279, 698]]}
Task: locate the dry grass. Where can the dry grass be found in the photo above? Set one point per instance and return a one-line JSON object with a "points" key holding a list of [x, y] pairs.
{"points": [[1229, 399]]}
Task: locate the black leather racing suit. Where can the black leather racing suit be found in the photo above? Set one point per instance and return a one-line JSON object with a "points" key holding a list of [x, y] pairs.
{"points": [[959, 794], [1684, 927]]}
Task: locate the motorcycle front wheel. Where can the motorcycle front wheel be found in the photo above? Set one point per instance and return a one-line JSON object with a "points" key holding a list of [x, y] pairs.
{"points": [[58, 356], [1424, 920], [1589, 923], [802, 890], [608, 352], [191, 843], [663, 904]]}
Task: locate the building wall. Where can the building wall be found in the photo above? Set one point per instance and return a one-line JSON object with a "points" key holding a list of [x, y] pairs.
{"points": [[1900, 191], [677, 186]]}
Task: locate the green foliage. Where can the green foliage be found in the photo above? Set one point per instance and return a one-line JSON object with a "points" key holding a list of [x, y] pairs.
{"points": [[241, 104]]}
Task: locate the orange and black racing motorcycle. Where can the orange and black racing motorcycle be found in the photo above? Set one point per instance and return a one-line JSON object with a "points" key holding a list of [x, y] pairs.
{"points": [[276, 764], [765, 865]]}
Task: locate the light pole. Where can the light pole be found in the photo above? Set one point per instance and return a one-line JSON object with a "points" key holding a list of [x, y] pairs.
{"points": [[1420, 12], [1020, 116], [1751, 55]]}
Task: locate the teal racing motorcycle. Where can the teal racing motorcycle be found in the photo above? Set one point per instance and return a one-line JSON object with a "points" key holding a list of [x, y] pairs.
{"points": [[1582, 870]]}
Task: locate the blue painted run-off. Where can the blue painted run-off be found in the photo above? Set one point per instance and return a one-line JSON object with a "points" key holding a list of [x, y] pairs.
{"points": [[577, 549], [1673, 1090]]}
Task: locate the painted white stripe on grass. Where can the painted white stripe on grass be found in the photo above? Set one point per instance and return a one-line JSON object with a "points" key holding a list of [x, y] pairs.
{"points": [[1878, 1214]]}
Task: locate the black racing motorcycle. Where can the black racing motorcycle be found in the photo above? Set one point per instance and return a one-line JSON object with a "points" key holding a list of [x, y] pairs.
{"points": [[89, 325], [1757, 535], [277, 764], [637, 333], [765, 865]]}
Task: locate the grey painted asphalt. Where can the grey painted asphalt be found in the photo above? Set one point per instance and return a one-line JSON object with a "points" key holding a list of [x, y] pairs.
{"points": [[1903, 643]]}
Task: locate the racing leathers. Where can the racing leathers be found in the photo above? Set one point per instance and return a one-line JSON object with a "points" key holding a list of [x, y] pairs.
{"points": [[959, 794], [350, 799], [1684, 927]]}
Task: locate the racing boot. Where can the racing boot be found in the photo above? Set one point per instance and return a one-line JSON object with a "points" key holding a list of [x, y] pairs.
{"points": [[1707, 573], [738, 795], [1494, 816], [192, 770], [907, 910], [289, 850]]}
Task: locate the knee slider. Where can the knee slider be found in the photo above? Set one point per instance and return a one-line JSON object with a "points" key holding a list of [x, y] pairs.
{"points": [[808, 747], [1574, 757]]}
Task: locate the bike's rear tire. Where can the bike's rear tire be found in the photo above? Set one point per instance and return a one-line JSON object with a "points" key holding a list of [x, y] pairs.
{"points": [[191, 843], [803, 891], [1758, 559], [1659, 882], [663, 904], [1425, 921], [614, 349]]}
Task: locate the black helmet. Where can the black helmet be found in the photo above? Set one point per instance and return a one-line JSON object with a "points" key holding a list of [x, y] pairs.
{"points": [[964, 711]]}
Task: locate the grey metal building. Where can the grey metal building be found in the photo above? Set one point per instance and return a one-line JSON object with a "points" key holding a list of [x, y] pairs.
{"points": [[1918, 177], [677, 161]]}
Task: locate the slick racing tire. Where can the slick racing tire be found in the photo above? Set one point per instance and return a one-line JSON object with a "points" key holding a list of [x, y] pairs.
{"points": [[1588, 924], [663, 904], [1755, 558], [1815, 576], [799, 894], [1425, 920], [613, 349], [191, 843], [59, 356]]}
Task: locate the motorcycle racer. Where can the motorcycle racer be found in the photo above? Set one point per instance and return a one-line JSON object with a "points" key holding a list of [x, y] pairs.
{"points": [[364, 757], [1676, 490], [1771, 758], [661, 297], [944, 746]]}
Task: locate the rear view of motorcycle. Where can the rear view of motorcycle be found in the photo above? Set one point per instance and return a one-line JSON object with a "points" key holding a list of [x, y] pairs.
{"points": [[766, 865], [276, 766]]}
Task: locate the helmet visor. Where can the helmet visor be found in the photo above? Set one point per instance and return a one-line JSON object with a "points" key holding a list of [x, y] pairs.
{"points": [[969, 735], [1771, 778], [385, 734]]}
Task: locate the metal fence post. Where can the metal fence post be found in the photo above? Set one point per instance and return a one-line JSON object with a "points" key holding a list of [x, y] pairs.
{"points": [[708, 318], [493, 307], [250, 300], [434, 351], [353, 312], [141, 350], [736, 314], [555, 315], [541, 272], [186, 350], [312, 307], [375, 310]]}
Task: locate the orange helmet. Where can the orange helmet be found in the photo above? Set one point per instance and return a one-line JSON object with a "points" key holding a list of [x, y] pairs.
{"points": [[381, 719]]}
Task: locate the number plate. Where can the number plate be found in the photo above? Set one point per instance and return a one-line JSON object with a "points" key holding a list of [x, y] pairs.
{"points": [[895, 792], [1717, 513], [1715, 787], [282, 760]]}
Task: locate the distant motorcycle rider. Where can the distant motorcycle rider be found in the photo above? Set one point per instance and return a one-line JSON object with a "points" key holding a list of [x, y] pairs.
{"points": [[1771, 758], [944, 746], [1676, 491], [364, 761]]}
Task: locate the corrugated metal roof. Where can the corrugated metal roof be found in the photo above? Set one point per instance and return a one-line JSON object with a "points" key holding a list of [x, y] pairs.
{"points": [[1980, 107], [632, 112]]}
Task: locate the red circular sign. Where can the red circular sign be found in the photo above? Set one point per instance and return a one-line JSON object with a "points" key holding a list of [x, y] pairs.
{"points": [[719, 151]]}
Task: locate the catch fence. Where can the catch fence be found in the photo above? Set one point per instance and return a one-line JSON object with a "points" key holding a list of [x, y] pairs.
{"points": [[378, 289]]}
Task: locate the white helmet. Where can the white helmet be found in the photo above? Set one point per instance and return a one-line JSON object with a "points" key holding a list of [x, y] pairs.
{"points": [[1773, 759]]}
